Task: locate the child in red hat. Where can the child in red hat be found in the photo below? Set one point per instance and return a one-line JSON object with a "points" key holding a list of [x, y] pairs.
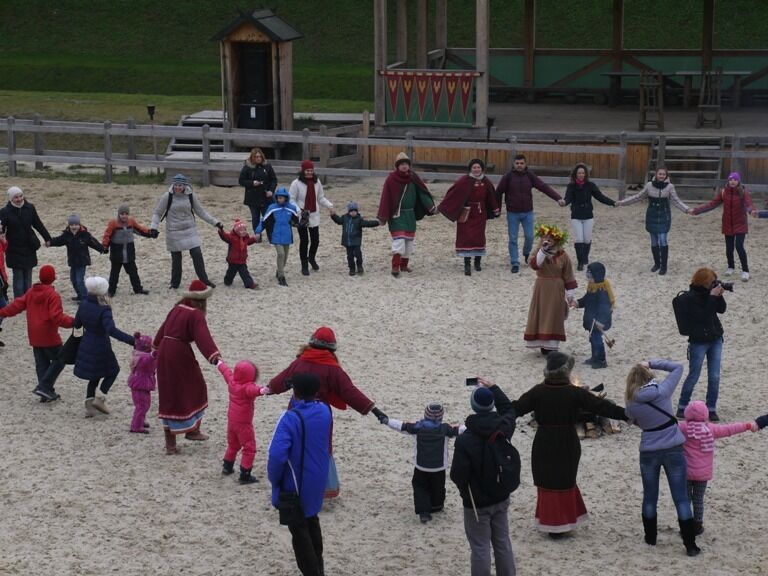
{"points": [[237, 255]]}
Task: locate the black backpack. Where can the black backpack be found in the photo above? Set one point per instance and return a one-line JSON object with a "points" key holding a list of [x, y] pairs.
{"points": [[501, 466], [681, 305], [170, 201]]}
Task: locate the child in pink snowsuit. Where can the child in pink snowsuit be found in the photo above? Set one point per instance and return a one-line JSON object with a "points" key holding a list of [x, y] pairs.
{"points": [[699, 451], [243, 391], [142, 381]]}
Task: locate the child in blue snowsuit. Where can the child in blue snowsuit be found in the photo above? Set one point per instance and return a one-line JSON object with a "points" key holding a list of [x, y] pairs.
{"points": [[598, 305], [277, 220]]}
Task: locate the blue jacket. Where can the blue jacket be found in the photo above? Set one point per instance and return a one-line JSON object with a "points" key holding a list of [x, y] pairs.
{"points": [[660, 395], [286, 446], [352, 228], [597, 306], [278, 219], [95, 358]]}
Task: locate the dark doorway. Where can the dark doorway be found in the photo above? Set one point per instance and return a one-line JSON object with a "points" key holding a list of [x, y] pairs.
{"points": [[256, 105]]}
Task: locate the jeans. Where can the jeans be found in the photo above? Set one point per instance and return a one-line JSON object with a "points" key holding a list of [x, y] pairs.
{"points": [[673, 462], [77, 277], [696, 353], [106, 384], [48, 366], [256, 214], [307, 540], [514, 219], [354, 255], [242, 269], [598, 346], [490, 527], [22, 281], [659, 239], [428, 491], [738, 240]]}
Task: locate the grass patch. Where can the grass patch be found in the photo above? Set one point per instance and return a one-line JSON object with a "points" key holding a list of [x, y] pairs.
{"points": [[92, 176]]}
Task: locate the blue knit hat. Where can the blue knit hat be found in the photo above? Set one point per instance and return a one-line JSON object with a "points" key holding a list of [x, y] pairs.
{"points": [[180, 179], [481, 400], [352, 206]]}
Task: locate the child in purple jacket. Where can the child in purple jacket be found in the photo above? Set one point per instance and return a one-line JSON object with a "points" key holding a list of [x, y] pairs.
{"points": [[142, 381], [699, 449]]}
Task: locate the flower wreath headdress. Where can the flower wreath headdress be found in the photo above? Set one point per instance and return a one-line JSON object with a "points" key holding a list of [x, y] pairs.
{"points": [[557, 234]]}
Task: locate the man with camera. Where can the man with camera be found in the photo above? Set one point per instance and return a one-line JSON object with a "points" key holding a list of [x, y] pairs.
{"points": [[703, 303]]}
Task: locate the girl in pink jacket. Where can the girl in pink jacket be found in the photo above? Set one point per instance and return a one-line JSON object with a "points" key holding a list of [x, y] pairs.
{"points": [[699, 451], [142, 381], [243, 391]]}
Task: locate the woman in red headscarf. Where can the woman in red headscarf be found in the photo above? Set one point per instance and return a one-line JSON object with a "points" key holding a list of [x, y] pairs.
{"points": [[336, 388], [182, 392]]}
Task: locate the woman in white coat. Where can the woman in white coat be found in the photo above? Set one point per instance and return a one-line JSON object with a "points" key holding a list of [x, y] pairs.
{"points": [[178, 207], [307, 193]]}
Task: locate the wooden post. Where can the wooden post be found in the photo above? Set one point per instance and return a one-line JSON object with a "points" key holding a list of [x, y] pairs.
{"points": [[325, 152], [623, 165], [661, 152], [402, 31], [421, 34], [108, 152], [707, 33], [11, 146], [38, 143], [512, 152], [132, 170], [617, 43], [529, 47], [206, 175], [366, 153], [736, 164], [305, 144], [441, 25], [227, 129], [482, 82], [409, 147], [380, 59]]}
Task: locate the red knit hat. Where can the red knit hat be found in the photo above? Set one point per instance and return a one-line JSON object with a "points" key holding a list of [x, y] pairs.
{"points": [[237, 224], [323, 338], [307, 165], [47, 274], [197, 290]]}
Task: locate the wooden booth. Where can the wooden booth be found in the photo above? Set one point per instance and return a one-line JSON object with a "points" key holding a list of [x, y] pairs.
{"points": [[257, 71]]}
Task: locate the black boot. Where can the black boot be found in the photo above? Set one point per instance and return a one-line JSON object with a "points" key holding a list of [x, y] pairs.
{"points": [[656, 258], [227, 467], [304, 268], [245, 476], [688, 532], [477, 263], [467, 266], [649, 525], [664, 253], [579, 255], [587, 247]]}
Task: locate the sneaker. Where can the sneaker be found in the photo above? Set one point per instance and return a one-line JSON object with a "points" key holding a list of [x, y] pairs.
{"points": [[745, 276], [729, 272], [425, 517], [100, 403], [44, 394], [515, 268], [142, 291], [713, 417], [227, 467], [599, 364]]}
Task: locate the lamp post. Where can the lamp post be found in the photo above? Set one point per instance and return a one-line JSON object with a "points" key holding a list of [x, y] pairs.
{"points": [[151, 112]]}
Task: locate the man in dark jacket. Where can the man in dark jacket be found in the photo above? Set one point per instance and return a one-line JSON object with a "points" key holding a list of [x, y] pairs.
{"points": [[705, 302], [516, 186], [485, 512]]}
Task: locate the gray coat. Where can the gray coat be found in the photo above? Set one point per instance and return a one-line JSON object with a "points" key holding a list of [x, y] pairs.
{"points": [[180, 226]]}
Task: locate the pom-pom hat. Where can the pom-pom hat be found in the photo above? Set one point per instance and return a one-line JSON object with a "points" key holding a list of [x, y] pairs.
{"points": [[559, 365], [47, 274], [97, 285], [197, 290], [323, 338]]}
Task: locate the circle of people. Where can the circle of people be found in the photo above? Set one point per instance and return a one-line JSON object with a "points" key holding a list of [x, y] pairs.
{"points": [[485, 466]]}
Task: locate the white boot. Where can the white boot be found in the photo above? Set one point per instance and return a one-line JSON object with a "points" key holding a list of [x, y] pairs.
{"points": [[100, 403], [90, 411]]}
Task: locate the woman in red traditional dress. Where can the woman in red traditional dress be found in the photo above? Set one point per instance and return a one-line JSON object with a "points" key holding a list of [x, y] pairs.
{"points": [[470, 202], [182, 392], [336, 388]]}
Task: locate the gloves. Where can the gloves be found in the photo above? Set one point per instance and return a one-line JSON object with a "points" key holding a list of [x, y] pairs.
{"points": [[219, 225], [153, 233], [383, 418]]}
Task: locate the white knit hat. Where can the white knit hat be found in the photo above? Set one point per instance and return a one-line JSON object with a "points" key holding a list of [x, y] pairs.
{"points": [[14, 191], [96, 285]]}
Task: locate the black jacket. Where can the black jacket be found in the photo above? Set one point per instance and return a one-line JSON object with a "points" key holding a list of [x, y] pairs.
{"points": [[580, 199], [704, 323], [468, 452], [257, 195], [352, 228], [77, 246], [23, 243]]}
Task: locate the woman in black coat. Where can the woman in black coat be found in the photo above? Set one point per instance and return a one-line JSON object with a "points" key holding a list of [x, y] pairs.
{"points": [[578, 195], [18, 218], [259, 180]]}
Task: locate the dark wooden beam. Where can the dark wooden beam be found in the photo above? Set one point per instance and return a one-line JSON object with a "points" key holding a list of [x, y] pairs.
{"points": [[617, 42], [421, 34], [707, 34], [529, 42], [380, 59], [583, 71], [402, 31]]}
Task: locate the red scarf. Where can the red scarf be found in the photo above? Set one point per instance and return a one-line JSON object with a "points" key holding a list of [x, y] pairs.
{"points": [[580, 183], [310, 201], [319, 356]]}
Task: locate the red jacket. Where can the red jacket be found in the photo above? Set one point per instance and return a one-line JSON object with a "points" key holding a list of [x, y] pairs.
{"points": [[736, 204], [44, 315], [238, 246]]}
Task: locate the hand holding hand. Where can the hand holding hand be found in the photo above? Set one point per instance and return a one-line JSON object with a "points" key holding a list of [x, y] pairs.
{"points": [[219, 225], [754, 427], [561, 202], [269, 194], [690, 212], [383, 418], [47, 243], [266, 390], [153, 233]]}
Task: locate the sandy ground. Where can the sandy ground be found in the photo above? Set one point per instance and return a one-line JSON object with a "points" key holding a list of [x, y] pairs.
{"points": [[84, 496]]}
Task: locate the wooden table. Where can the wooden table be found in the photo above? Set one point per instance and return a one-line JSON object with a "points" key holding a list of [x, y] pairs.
{"points": [[689, 75]]}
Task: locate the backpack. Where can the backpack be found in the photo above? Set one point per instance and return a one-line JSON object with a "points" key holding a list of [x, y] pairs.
{"points": [[500, 466], [170, 201], [681, 305]]}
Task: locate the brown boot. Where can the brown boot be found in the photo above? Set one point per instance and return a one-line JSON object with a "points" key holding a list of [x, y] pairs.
{"points": [[396, 259], [404, 265], [170, 443], [196, 436]]}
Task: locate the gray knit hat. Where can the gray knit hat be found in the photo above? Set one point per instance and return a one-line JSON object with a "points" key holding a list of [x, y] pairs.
{"points": [[559, 365], [123, 209], [73, 219], [434, 412]]}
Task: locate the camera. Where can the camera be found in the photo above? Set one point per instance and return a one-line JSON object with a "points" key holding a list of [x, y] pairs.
{"points": [[726, 285], [471, 381]]}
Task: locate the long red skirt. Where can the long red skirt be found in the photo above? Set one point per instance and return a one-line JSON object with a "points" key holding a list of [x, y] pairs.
{"points": [[560, 510]]}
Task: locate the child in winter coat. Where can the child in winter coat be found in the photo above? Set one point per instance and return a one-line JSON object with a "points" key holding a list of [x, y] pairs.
{"points": [[278, 218], [118, 238], [237, 255], [431, 456], [142, 381], [3, 277], [243, 391], [598, 305], [699, 448], [352, 235], [77, 239]]}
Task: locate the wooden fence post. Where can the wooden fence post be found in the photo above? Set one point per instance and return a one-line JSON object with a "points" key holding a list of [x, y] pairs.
{"points": [[409, 147], [132, 170], [512, 152], [305, 144], [661, 152], [325, 153], [108, 152], [363, 150], [206, 177], [38, 139], [623, 165], [736, 164], [11, 147], [225, 127]]}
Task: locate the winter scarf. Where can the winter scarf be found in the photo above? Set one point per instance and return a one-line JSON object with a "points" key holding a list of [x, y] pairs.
{"points": [[604, 285], [319, 356], [701, 432], [659, 185], [310, 202]]}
